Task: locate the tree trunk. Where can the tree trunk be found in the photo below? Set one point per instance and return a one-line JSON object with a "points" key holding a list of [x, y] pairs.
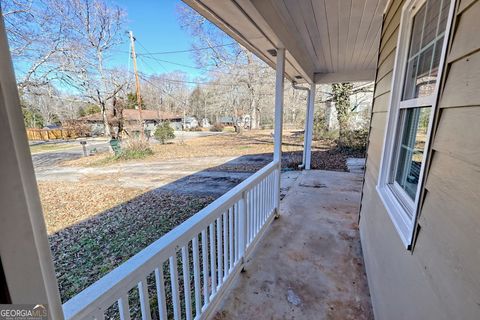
{"points": [[106, 129], [341, 94], [253, 117]]}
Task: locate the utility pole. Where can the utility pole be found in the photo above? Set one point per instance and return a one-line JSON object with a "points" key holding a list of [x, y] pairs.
{"points": [[137, 84]]}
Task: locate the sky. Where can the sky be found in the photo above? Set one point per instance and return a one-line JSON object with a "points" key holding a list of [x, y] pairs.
{"points": [[156, 28]]}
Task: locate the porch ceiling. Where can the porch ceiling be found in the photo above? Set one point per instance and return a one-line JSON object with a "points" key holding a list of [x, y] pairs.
{"points": [[326, 40]]}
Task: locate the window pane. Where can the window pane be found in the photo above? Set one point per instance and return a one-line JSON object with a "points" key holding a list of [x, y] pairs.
{"points": [[409, 90], [412, 145], [431, 22], [444, 16], [416, 39], [436, 61], [425, 46], [424, 85]]}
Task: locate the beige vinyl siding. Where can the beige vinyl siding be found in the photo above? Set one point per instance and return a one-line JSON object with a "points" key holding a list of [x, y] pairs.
{"points": [[440, 278]]}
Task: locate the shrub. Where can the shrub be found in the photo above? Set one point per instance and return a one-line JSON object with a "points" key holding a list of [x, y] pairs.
{"points": [[217, 127], [88, 110], [135, 148], [164, 132], [195, 129], [320, 128], [355, 139]]}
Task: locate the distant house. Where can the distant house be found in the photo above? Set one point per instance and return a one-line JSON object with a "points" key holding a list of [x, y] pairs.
{"points": [[243, 121], [131, 118], [190, 122], [227, 121], [205, 123]]}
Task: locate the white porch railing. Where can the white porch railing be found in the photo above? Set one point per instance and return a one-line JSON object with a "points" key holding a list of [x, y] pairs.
{"points": [[203, 254]]}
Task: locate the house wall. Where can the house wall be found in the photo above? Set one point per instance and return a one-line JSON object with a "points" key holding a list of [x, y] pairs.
{"points": [[440, 278]]}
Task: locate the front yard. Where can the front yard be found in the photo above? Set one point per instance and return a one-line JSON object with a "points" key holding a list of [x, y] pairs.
{"points": [[101, 212]]}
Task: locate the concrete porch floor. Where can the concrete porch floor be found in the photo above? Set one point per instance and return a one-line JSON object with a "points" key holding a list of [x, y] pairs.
{"points": [[309, 263]]}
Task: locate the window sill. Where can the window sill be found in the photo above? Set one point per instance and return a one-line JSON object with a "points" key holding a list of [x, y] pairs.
{"points": [[399, 216]]}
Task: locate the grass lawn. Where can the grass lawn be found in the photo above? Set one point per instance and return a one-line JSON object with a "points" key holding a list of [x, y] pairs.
{"points": [[46, 147]]}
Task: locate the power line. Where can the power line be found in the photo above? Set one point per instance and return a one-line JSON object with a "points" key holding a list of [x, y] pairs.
{"points": [[186, 81], [187, 66], [159, 61], [192, 50], [198, 83], [161, 89], [141, 45]]}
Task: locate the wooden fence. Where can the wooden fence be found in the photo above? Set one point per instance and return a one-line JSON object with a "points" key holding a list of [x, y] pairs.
{"points": [[50, 134]]}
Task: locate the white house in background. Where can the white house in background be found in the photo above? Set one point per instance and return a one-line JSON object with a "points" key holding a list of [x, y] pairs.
{"points": [[205, 123], [190, 123], [419, 220]]}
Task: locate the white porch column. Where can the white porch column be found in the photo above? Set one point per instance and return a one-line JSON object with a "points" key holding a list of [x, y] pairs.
{"points": [[24, 249], [309, 127], [277, 153]]}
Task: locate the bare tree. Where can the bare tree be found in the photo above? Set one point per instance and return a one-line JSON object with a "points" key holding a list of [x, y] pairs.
{"points": [[97, 28], [38, 40], [66, 41]]}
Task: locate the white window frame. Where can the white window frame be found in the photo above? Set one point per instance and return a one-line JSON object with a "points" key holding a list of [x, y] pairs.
{"points": [[400, 207]]}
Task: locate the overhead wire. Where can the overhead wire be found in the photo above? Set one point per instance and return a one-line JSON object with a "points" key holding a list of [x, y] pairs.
{"points": [[188, 66], [161, 61], [192, 50], [198, 83]]}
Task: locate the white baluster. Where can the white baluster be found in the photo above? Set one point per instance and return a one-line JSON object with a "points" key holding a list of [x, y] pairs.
{"points": [[250, 215], [237, 235], [230, 235], [219, 251], [144, 301], [186, 283], [257, 209], [206, 297], [242, 228], [175, 289], [225, 245], [196, 277], [160, 283], [123, 307], [213, 268]]}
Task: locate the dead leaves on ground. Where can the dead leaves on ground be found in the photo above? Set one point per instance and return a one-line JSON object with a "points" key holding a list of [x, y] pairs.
{"points": [[86, 251]]}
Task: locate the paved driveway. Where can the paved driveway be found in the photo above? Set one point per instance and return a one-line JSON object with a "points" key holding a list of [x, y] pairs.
{"points": [[207, 175], [48, 159]]}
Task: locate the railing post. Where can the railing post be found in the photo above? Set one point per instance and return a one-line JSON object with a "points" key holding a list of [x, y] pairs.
{"points": [[277, 154], [242, 226]]}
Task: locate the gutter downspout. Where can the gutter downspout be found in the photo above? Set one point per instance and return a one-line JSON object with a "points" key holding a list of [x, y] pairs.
{"points": [[305, 134]]}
